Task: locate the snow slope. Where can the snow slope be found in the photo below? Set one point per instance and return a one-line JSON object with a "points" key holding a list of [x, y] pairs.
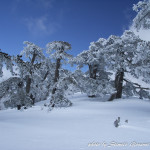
{"points": [[87, 125]]}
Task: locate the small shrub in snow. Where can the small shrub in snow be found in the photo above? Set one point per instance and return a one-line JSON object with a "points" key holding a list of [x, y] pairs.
{"points": [[116, 122], [59, 100]]}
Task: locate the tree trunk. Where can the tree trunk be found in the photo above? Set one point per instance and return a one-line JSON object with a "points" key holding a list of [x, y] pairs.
{"points": [[119, 83], [112, 97], [28, 83], [33, 99], [56, 74], [92, 72], [55, 80]]}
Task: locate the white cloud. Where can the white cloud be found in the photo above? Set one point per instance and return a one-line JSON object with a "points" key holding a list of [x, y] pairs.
{"points": [[41, 26], [40, 23]]}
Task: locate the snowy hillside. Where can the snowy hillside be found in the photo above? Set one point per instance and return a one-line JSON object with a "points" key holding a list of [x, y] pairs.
{"points": [[87, 125]]}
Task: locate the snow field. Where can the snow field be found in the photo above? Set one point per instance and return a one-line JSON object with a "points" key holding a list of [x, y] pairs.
{"points": [[87, 125]]}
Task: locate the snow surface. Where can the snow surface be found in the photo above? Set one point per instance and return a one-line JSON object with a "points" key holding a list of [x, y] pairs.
{"points": [[87, 125], [6, 75]]}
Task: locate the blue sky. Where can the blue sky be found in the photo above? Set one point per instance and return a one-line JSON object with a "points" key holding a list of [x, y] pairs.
{"points": [[78, 22]]}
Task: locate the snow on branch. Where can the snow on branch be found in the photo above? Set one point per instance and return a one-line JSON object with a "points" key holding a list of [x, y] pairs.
{"points": [[138, 86]]}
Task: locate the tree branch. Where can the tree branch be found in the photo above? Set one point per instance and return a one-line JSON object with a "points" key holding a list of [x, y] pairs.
{"points": [[136, 85]]}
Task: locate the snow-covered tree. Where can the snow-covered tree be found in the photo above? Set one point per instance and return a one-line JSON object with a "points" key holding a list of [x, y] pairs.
{"points": [[12, 93], [97, 61], [93, 58], [120, 52], [96, 81], [12, 90], [27, 69], [43, 80], [142, 19], [6, 60], [142, 62], [57, 51]]}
